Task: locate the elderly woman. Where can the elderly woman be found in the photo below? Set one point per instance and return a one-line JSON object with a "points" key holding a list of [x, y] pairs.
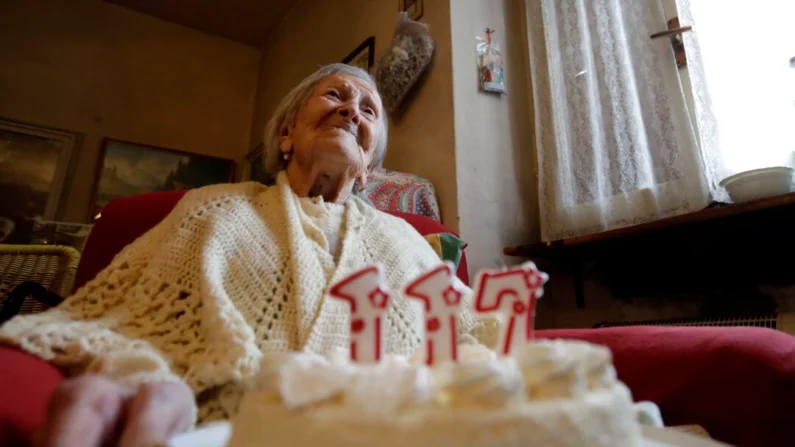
{"points": [[181, 317]]}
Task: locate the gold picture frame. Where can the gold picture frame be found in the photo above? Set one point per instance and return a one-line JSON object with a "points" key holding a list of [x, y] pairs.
{"points": [[413, 8], [35, 162], [363, 56]]}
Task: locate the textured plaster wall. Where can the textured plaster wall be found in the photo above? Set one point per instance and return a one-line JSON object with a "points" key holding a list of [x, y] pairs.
{"points": [[497, 195]]}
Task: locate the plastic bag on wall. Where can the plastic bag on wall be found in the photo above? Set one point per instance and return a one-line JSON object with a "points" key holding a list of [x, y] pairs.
{"points": [[404, 61], [490, 65]]}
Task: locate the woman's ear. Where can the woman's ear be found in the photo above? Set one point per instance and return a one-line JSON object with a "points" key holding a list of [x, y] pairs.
{"points": [[285, 139], [363, 179]]}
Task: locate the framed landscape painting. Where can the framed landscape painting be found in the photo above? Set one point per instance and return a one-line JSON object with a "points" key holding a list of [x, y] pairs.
{"points": [[34, 162], [128, 169]]}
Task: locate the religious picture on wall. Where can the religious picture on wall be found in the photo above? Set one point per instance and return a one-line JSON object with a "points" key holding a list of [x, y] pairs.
{"points": [[363, 56], [34, 162], [128, 169], [412, 7]]}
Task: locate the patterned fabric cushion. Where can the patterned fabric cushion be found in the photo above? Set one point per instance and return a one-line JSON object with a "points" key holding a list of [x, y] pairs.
{"points": [[408, 193]]}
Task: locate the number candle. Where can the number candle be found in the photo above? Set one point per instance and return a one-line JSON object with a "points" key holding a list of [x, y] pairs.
{"points": [[441, 298], [368, 299], [511, 292]]}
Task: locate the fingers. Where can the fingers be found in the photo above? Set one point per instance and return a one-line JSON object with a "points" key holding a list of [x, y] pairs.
{"points": [[91, 411], [83, 411], [157, 412]]}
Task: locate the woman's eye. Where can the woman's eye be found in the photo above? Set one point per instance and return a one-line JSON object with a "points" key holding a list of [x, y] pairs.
{"points": [[369, 111], [333, 94]]}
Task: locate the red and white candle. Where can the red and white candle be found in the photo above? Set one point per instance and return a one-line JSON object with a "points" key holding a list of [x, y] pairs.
{"points": [[364, 290], [441, 297], [512, 293]]}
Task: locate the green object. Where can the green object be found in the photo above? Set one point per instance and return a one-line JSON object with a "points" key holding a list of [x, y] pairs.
{"points": [[448, 246]]}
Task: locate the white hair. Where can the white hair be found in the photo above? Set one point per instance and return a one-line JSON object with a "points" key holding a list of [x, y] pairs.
{"points": [[286, 112]]}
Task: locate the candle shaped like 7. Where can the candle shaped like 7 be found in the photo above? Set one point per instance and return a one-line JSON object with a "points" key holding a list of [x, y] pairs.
{"points": [[368, 298], [511, 292], [441, 296]]}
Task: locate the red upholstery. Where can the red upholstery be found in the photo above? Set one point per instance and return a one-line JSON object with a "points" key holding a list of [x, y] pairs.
{"points": [[124, 220], [739, 383], [26, 384]]}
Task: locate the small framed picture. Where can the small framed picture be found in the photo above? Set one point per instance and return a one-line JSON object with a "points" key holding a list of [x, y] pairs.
{"points": [[363, 56], [412, 7]]}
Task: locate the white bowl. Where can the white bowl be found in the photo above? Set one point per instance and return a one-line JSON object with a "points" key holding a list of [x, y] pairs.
{"points": [[758, 184]]}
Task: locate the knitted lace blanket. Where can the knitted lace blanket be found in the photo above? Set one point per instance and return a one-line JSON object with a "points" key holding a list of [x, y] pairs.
{"points": [[232, 272]]}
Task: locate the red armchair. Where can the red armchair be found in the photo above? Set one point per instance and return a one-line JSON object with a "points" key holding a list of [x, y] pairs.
{"points": [[739, 383]]}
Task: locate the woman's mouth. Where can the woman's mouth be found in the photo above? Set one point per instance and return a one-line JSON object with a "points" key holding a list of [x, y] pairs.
{"points": [[348, 127]]}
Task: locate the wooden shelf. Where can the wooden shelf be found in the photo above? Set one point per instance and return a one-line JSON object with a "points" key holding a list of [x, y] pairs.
{"points": [[555, 248], [731, 246]]}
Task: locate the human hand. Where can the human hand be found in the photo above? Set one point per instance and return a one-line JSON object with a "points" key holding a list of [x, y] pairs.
{"points": [[93, 411]]}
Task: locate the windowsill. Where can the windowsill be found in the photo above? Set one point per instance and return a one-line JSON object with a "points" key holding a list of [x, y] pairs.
{"points": [[724, 248], [561, 247]]}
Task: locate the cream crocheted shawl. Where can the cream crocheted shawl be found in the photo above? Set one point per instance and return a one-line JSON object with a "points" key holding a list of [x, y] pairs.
{"points": [[234, 271]]}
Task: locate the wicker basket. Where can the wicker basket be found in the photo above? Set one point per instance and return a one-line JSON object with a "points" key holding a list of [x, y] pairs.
{"points": [[53, 266]]}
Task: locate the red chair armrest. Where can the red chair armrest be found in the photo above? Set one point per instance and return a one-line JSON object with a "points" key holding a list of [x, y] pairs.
{"points": [[737, 382], [26, 384]]}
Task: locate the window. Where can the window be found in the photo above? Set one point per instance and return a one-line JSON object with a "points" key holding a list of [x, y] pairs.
{"points": [[745, 49]]}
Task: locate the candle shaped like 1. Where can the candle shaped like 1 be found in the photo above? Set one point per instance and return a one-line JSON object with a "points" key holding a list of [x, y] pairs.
{"points": [[369, 299], [441, 296], [511, 292]]}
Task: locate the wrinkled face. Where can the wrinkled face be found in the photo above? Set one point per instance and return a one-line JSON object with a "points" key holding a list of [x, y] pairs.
{"points": [[337, 127]]}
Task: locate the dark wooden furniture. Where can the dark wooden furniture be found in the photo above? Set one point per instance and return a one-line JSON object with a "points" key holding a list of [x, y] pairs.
{"points": [[719, 248]]}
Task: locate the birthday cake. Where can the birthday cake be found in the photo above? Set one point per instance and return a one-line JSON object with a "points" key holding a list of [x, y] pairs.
{"points": [[551, 393], [541, 393]]}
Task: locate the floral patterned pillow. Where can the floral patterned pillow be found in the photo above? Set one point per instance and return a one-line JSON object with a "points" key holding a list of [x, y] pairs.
{"points": [[396, 191]]}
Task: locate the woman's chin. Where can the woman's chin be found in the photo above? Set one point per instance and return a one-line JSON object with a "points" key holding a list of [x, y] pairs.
{"points": [[340, 152]]}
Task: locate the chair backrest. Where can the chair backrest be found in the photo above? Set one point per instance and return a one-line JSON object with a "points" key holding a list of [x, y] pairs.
{"points": [[124, 220]]}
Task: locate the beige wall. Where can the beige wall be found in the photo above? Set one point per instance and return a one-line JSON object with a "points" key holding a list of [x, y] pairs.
{"points": [[319, 32], [476, 148], [497, 194], [104, 71]]}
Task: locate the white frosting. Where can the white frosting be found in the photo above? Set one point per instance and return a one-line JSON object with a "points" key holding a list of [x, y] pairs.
{"points": [[542, 370], [481, 383], [549, 386], [554, 369]]}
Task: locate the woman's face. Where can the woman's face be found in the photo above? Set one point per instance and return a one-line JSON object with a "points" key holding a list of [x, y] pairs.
{"points": [[337, 127]]}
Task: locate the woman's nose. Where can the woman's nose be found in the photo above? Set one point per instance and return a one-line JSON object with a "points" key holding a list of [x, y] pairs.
{"points": [[349, 112]]}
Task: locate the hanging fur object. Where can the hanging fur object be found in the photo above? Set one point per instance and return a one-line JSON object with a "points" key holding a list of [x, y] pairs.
{"points": [[404, 62]]}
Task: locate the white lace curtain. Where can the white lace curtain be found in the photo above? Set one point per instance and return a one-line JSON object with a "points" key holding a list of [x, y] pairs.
{"points": [[614, 141]]}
